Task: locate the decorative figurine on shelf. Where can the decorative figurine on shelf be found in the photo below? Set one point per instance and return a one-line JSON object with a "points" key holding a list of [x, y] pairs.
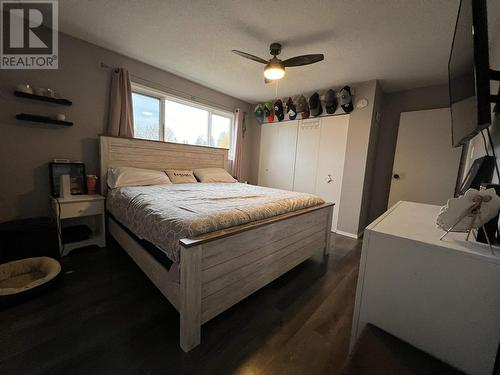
{"points": [[468, 212], [25, 87]]}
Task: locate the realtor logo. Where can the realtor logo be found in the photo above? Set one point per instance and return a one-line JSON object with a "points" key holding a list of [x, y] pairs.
{"points": [[29, 37]]}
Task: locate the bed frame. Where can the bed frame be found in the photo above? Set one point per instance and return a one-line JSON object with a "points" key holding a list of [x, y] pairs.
{"points": [[218, 269]]}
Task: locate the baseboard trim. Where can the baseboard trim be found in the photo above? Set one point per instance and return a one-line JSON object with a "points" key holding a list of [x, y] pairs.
{"points": [[347, 234]]}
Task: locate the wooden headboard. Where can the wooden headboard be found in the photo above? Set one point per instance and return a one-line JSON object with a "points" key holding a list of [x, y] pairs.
{"points": [[138, 153]]}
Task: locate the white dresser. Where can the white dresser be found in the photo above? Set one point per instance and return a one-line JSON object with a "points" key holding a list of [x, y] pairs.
{"points": [[443, 297]]}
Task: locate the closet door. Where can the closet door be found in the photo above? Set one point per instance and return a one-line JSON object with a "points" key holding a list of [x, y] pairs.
{"points": [[283, 163], [306, 158], [268, 135], [331, 157], [277, 154]]}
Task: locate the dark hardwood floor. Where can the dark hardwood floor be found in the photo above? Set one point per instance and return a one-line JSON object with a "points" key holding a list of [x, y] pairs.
{"points": [[106, 317]]}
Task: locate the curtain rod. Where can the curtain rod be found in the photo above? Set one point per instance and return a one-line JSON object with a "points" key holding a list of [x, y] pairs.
{"points": [[173, 91]]}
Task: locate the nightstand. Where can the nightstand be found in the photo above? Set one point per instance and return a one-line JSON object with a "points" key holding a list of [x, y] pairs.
{"points": [[77, 210]]}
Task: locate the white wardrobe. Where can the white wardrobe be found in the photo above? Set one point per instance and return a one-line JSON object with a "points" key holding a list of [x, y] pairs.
{"points": [[306, 156]]}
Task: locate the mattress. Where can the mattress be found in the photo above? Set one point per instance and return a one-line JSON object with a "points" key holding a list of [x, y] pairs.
{"points": [[165, 214]]}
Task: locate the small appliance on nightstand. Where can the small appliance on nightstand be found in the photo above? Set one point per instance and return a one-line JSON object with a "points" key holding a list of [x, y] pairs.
{"points": [[79, 211]]}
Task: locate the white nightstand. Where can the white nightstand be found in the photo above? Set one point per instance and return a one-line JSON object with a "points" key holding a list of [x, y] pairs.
{"points": [[80, 209]]}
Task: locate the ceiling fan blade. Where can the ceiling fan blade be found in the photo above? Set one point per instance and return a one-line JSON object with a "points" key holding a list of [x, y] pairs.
{"points": [[251, 57], [267, 80], [303, 60]]}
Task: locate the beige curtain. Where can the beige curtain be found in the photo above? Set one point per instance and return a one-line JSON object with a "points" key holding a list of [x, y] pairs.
{"points": [[121, 119], [239, 117]]}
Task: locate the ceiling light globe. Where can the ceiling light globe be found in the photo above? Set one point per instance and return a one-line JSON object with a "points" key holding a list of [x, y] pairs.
{"points": [[274, 72]]}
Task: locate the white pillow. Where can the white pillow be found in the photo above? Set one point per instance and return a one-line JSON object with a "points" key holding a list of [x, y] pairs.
{"points": [[181, 176], [213, 175], [128, 176]]}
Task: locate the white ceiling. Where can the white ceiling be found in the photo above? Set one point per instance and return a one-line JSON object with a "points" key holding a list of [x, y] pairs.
{"points": [[403, 43]]}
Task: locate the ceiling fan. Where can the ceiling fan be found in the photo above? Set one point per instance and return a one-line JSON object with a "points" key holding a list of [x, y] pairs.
{"points": [[275, 68]]}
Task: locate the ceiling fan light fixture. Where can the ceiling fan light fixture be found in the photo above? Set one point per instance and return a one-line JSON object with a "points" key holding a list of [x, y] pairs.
{"points": [[275, 68], [274, 71]]}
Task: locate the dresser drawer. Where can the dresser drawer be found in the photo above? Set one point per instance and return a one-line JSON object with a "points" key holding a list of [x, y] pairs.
{"points": [[81, 209]]}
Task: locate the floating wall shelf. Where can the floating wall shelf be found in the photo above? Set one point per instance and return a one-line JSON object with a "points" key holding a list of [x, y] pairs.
{"points": [[41, 98], [43, 119]]}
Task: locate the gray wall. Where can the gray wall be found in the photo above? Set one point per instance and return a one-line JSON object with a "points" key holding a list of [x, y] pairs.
{"points": [[422, 99], [356, 168], [364, 217], [392, 106], [26, 148]]}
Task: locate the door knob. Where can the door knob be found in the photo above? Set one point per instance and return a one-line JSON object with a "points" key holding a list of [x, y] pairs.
{"points": [[329, 179], [396, 176]]}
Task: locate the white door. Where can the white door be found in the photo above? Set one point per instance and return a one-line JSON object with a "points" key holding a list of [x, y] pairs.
{"points": [[319, 164], [425, 165], [331, 157], [284, 156], [277, 154], [268, 135], [306, 158]]}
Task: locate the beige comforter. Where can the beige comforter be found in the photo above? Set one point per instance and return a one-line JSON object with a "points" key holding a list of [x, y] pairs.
{"points": [[164, 214]]}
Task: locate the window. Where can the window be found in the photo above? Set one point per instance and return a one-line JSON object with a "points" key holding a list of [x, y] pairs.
{"points": [[221, 131], [186, 124], [146, 116], [161, 117]]}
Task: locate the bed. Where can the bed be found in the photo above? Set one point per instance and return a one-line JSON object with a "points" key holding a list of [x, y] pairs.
{"points": [[216, 269]]}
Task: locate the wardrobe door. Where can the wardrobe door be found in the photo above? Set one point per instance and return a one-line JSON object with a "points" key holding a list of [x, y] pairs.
{"points": [[331, 157], [268, 136], [306, 158], [283, 159], [277, 154]]}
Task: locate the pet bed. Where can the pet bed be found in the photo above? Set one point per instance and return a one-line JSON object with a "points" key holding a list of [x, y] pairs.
{"points": [[25, 278]]}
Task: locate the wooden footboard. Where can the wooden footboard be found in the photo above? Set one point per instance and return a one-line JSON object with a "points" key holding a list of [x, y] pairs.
{"points": [[222, 268]]}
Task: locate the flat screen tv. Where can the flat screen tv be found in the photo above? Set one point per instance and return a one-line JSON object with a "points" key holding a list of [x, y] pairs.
{"points": [[469, 74]]}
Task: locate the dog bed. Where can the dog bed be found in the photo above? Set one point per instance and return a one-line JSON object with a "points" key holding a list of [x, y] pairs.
{"points": [[25, 278]]}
